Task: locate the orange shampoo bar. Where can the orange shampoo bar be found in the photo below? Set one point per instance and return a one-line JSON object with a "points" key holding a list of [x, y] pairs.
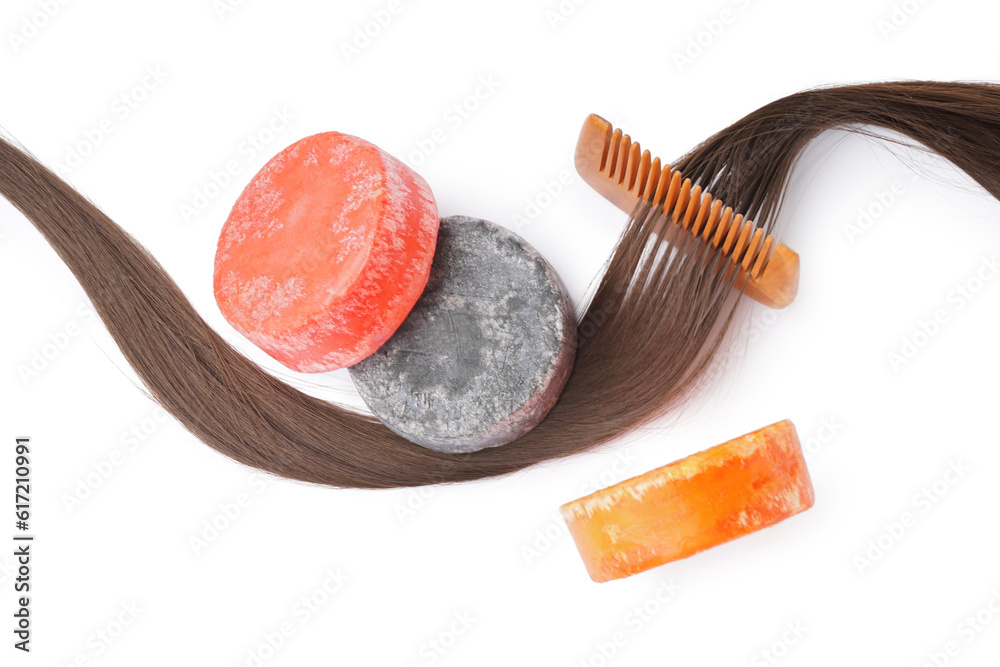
{"points": [[698, 502], [325, 252]]}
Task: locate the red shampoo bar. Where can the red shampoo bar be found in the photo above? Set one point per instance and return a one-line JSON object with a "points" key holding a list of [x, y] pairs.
{"points": [[325, 252]]}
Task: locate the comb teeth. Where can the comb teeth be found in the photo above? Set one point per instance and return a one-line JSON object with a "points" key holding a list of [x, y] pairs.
{"points": [[617, 167], [634, 171]]}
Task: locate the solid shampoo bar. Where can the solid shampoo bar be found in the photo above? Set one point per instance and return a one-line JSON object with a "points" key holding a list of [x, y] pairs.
{"points": [[708, 498], [486, 351], [325, 252]]}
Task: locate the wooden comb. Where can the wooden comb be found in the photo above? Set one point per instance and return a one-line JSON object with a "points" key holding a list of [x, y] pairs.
{"points": [[624, 174]]}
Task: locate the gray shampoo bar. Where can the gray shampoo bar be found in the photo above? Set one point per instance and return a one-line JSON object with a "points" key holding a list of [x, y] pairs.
{"points": [[486, 350]]}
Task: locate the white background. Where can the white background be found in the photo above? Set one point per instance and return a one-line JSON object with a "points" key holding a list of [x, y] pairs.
{"points": [[494, 552]]}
